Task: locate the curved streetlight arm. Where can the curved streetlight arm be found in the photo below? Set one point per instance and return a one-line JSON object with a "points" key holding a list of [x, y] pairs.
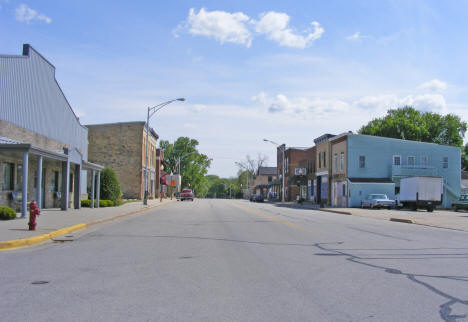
{"points": [[151, 111], [283, 150], [154, 109]]}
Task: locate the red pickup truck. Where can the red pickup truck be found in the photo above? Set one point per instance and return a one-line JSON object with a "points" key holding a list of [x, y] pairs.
{"points": [[186, 194]]}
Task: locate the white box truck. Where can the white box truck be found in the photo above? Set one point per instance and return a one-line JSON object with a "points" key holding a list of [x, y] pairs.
{"points": [[421, 192]]}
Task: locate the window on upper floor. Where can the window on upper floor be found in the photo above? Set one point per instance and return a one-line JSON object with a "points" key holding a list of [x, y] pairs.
{"points": [[335, 162], [324, 159], [424, 161], [342, 161], [362, 161], [270, 178], [320, 160], [445, 162], [411, 161], [397, 160]]}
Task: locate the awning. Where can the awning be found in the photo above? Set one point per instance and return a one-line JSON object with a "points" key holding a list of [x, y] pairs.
{"points": [[92, 166], [24, 147]]}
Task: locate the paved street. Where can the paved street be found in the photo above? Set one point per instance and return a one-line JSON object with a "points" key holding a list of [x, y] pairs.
{"points": [[222, 260]]}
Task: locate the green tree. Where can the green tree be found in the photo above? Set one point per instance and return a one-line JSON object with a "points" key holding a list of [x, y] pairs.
{"points": [[110, 187], [410, 124], [193, 165]]}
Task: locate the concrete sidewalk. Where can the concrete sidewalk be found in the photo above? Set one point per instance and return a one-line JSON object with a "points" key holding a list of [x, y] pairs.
{"points": [[439, 218], [55, 222]]}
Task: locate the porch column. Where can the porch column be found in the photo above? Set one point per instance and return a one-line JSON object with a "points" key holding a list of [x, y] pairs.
{"points": [[39, 183], [65, 184], [77, 187], [93, 179], [98, 188], [24, 192]]}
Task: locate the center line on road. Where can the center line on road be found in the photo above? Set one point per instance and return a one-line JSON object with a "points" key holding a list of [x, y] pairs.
{"points": [[275, 219]]}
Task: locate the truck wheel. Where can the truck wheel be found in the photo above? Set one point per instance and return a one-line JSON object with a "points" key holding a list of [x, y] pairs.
{"points": [[430, 209], [456, 209], [414, 208]]}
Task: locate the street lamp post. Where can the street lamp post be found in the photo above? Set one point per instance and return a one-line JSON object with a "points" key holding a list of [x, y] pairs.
{"points": [[282, 147], [151, 111], [246, 178]]}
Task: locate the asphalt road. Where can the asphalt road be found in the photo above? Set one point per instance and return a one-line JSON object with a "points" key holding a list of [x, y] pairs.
{"points": [[221, 260]]}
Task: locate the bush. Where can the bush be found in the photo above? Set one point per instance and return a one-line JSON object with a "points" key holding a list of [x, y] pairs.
{"points": [[85, 203], [7, 213], [102, 203], [110, 187]]}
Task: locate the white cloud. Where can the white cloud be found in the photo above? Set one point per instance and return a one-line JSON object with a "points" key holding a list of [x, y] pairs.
{"points": [[25, 14], [199, 108], [426, 102], [323, 108], [240, 29], [434, 85], [355, 36], [220, 25], [301, 105], [275, 26]]}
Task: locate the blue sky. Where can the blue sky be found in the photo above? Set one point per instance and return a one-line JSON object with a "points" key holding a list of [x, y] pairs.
{"points": [[286, 71]]}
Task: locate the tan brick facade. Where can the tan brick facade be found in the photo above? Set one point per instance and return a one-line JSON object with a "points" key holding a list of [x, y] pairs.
{"points": [[121, 146]]}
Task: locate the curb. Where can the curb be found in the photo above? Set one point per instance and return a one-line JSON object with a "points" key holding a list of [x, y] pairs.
{"points": [[407, 221], [335, 211], [16, 243]]}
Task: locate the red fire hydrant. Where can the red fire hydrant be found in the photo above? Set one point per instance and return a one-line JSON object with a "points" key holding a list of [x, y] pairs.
{"points": [[33, 212]]}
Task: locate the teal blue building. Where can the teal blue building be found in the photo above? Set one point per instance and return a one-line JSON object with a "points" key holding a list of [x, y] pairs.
{"points": [[377, 164]]}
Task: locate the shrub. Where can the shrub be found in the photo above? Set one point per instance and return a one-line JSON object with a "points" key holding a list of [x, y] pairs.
{"points": [[7, 213], [85, 203], [110, 187]]}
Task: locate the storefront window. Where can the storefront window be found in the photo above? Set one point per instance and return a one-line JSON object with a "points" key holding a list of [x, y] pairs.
{"points": [[8, 179], [19, 177]]}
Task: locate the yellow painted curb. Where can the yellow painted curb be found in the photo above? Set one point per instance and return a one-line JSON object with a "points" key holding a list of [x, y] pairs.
{"points": [[9, 244], [408, 221], [335, 211]]}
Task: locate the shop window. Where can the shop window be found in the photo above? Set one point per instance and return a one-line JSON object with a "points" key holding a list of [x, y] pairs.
{"points": [[344, 191], [19, 177], [8, 177]]}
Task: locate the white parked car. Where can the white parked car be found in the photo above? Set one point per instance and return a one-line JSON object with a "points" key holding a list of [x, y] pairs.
{"points": [[378, 201]]}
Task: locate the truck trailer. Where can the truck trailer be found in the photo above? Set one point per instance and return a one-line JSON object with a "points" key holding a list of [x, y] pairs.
{"points": [[421, 192]]}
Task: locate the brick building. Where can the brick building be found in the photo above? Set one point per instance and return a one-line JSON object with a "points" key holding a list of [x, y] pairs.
{"points": [[294, 158], [122, 147]]}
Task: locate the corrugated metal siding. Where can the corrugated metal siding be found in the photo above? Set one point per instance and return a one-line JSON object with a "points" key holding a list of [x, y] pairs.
{"points": [[31, 98]]}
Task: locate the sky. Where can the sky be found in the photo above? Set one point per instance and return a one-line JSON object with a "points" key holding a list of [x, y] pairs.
{"points": [[285, 71]]}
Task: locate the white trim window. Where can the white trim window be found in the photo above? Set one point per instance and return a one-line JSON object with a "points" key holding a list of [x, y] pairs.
{"points": [[342, 161], [424, 160], [362, 161], [397, 160], [411, 161], [445, 162], [335, 161]]}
